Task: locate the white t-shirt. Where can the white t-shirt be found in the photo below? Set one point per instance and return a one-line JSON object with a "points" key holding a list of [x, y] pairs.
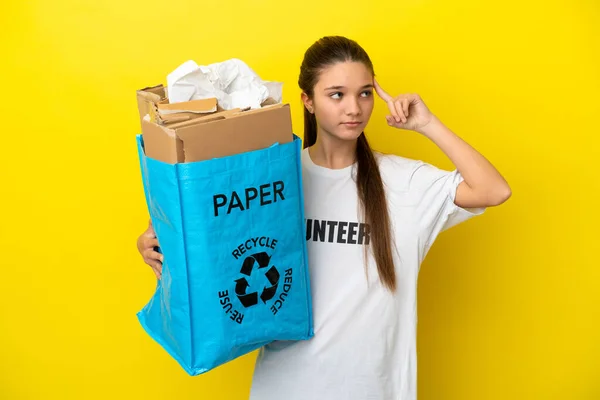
{"points": [[365, 337]]}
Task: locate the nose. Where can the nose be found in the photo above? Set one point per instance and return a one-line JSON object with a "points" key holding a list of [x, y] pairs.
{"points": [[352, 106]]}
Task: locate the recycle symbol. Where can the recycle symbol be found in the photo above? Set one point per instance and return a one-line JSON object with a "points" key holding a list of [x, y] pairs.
{"points": [[261, 261]]}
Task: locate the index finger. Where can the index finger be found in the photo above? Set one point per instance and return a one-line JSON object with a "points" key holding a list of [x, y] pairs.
{"points": [[382, 93]]}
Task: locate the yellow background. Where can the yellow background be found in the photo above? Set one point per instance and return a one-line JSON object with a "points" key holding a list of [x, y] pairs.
{"points": [[509, 302]]}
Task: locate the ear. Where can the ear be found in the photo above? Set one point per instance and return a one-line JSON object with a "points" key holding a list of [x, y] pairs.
{"points": [[308, 103]]}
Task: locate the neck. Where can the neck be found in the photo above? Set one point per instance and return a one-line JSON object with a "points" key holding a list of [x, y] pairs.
{"points": [[331, 152]]}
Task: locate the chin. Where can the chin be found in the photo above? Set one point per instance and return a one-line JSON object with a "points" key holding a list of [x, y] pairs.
{"points": [[344, 133]]}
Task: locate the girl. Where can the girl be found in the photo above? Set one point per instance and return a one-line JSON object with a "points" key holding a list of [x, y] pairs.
{"points": [[381, 214]]}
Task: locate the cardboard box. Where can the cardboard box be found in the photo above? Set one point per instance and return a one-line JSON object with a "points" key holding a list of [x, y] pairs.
{"points": [[154, 101], [149, 96], [204, 136]]}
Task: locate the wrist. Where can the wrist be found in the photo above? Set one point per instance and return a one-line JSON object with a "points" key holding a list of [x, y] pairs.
{"points": [[431, 128]]}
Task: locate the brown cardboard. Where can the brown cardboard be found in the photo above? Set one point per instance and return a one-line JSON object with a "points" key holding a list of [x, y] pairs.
{"points": [[195, 106], [164, 112], [218, 135], [149, 96], [152, 100], [189, 136]]}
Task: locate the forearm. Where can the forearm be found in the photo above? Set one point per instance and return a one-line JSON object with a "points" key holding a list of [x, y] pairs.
{"points": [[479, 174]]}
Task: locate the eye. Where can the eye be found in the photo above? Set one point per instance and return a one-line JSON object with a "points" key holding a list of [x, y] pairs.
{"points": [[336, 95], [367, 93]]}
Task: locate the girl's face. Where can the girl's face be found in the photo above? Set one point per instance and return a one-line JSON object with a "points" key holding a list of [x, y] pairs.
{"points": [[342, 100]]}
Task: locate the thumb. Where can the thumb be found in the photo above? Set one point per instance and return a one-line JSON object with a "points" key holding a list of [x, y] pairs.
{"points": [[150, 229]]}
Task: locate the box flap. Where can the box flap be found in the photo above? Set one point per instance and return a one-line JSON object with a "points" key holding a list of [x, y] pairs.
{"points": [[195, 106], [161, 143], [235, 133], [147, 96]]}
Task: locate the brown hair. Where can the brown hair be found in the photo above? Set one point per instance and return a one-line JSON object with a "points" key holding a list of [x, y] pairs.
{"points": [[325, 52]]}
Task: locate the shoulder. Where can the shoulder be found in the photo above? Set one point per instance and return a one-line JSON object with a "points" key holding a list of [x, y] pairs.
{"points": [[394, 163], [397, 172], [404, 174]]}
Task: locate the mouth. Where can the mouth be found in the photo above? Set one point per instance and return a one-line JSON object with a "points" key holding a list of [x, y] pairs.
{"points": [[352, 123]]}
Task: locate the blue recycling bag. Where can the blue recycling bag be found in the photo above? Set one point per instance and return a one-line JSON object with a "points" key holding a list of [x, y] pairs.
{"points": [[235, 271]]}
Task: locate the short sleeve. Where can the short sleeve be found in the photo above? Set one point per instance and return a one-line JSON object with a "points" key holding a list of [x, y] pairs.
{"points": [[435, 210]]}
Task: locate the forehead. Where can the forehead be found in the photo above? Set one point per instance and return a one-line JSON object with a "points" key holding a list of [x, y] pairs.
{"points": [[352, 75]]}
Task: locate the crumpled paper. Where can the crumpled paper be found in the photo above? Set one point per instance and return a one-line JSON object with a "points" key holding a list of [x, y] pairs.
{"points": [[232, 82]]}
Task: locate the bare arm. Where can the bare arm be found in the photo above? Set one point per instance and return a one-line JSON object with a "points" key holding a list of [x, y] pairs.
{"points": [[483, 185]]}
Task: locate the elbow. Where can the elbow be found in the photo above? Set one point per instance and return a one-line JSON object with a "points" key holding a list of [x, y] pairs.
{"points": [[501, 195]]}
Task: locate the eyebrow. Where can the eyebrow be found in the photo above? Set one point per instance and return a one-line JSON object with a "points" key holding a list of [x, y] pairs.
{"points": [[368, 86]]}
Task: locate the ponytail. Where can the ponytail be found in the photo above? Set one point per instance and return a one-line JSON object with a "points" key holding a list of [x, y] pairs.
{"points": [[373, 206]]}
